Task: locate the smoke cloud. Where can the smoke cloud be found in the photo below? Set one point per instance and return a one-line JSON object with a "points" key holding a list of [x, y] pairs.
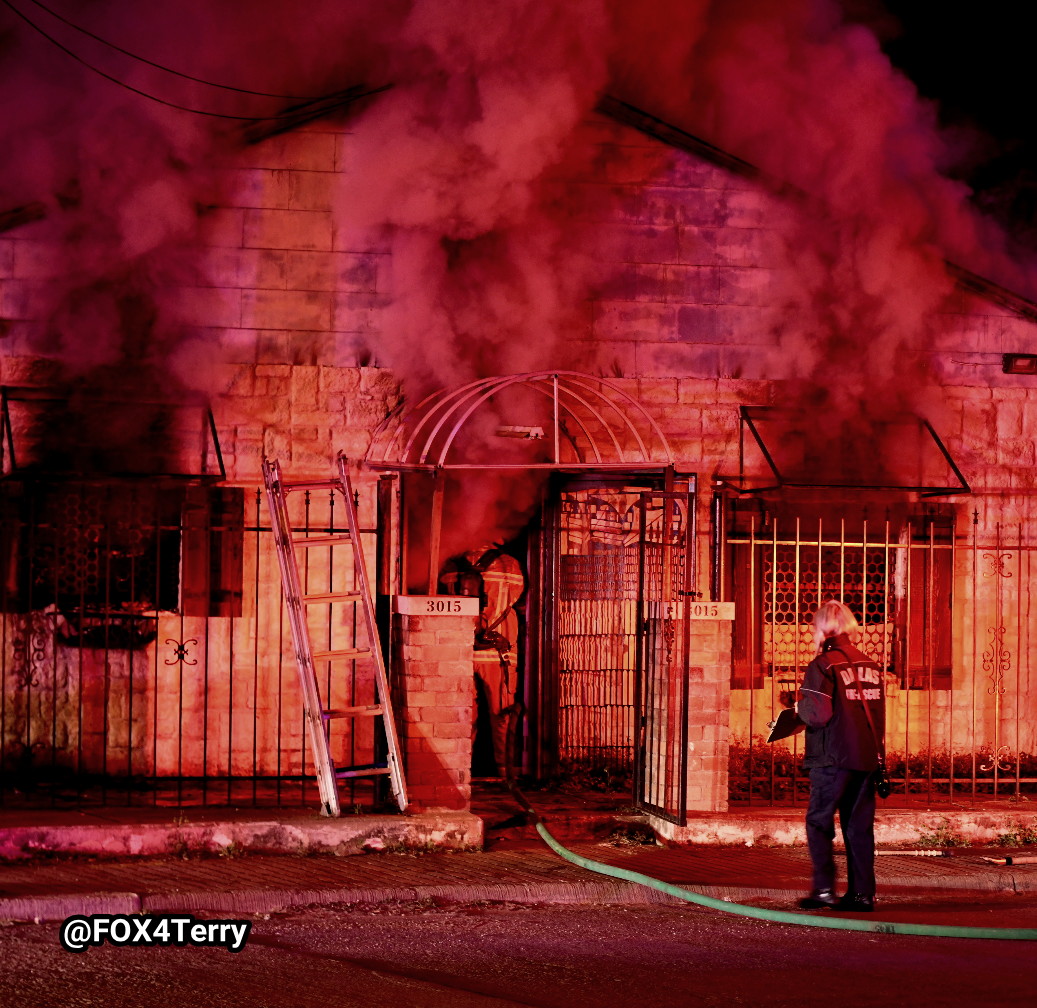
{"points": [[814, 102], [458, 170]]}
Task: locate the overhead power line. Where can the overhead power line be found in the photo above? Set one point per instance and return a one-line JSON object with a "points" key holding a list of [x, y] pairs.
{"points": [[158, 66], [315, 106]]}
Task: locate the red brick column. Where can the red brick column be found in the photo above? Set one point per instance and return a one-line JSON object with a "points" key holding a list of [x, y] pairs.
{"points": [[436, 689], [709, 707], [709, 703]]}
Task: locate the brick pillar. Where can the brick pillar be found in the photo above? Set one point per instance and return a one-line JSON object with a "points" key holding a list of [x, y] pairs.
{"points": [[709, 707], [437, 692], [709, 701]]}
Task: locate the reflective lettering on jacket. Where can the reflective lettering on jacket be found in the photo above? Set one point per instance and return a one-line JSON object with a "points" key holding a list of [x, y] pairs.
{"points": [[830, 704]]}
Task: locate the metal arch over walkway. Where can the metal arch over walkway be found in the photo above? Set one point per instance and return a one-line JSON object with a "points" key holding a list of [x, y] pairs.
{"points": [[592, 424]]}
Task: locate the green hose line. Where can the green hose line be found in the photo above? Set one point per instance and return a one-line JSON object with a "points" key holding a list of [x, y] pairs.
{"points": [[781, 916]]}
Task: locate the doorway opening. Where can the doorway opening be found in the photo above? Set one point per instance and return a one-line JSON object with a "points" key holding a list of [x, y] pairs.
{"points": [[614, 573]]}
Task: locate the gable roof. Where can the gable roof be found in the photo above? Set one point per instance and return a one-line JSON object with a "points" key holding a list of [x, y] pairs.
{"points": [[673, 136]]}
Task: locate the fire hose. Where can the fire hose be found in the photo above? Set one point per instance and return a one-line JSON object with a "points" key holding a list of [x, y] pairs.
{"points": [[759, 913]]}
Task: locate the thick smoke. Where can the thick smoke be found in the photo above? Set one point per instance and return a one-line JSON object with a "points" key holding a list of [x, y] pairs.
{"points": [[488, 277], [456, 168], [128, 185], [856, 156], [816, 105]]}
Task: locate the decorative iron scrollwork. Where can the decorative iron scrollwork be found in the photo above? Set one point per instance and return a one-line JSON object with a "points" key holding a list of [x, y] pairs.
{"points": [[996, 758], [180, 651], [669, 633], [997, 661], [997, 562], [29, 647]]}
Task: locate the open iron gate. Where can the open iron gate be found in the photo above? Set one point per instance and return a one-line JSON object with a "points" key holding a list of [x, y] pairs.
{"points": [[665, 588], [615, 642]]}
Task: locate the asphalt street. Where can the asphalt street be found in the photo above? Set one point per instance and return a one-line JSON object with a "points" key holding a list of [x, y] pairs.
{"points": [[424, 953]]}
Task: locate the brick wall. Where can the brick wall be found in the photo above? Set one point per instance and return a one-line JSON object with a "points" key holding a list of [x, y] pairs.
{"points": [[436, 684], [709, 694]]}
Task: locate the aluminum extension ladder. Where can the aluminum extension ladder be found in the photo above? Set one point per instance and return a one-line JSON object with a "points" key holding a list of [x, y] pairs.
{"points": [[356, 594]]}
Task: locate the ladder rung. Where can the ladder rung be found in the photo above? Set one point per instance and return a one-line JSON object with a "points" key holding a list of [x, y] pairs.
{"points": [[341, 653], [321, 540], [350, 596], [340, 712], [311, 485], [368, 771]]}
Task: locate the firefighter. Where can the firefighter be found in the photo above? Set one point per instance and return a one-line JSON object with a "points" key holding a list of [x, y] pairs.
{"points": [[842, 703], [496, 578]]}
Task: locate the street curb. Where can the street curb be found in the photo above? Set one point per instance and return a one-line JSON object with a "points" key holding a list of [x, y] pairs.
{"points": [[348, 835], [58, 906], [253, 901], [257, 901], [550, 892]]}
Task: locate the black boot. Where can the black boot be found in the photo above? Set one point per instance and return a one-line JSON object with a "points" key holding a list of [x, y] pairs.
{"points": [[856, 903], [819, 899]]}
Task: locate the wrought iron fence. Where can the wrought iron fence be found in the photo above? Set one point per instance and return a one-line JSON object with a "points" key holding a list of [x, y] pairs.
{"points": [[594, 636], [144, 654], [946, 614]]}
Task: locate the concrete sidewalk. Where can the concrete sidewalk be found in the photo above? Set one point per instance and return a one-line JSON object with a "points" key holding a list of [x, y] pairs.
{"points": [[62, 862], [157, 830], [516, 871]]}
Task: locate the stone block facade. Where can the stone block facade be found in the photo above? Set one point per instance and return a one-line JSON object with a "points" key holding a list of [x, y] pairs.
{"points": [[709, 704], [288, 328]]}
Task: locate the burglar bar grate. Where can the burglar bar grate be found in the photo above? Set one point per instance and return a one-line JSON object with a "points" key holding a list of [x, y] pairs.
{"points": [[945, 614]]}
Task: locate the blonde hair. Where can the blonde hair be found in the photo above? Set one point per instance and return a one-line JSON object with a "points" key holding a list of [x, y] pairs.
{"points": [[831, 619]]}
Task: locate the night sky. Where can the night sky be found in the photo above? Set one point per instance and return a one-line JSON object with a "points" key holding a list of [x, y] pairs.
{"points": [[976, 63]]}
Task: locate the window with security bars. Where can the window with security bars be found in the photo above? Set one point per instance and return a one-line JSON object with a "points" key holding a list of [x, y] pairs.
{"points": [[899, 591], [105, 558]]}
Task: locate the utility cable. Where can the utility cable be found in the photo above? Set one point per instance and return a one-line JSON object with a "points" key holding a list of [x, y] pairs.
{"points": [[776, 916], [158, 66], [334, 100]]}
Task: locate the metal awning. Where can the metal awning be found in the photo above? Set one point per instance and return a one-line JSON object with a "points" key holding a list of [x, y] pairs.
{"points": [[546, 421], [551, 420], [801, 450], [58, 433]]}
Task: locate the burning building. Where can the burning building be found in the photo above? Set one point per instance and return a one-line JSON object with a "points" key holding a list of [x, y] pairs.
{"points": [[698, 347]]}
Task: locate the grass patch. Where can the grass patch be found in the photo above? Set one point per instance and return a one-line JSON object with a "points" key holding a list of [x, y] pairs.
{"points": [[942, 836]]}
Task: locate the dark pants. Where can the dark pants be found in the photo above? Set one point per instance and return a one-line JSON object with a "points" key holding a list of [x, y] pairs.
{"points": [[491, 682], [851, 793]]}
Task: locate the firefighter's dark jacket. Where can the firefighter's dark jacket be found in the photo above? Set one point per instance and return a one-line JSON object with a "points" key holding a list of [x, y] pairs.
{"points": [[838, 733]]}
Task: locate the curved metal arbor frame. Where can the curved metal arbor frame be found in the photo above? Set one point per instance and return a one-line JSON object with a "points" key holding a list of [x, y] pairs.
{"points": [[594, 425]]}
